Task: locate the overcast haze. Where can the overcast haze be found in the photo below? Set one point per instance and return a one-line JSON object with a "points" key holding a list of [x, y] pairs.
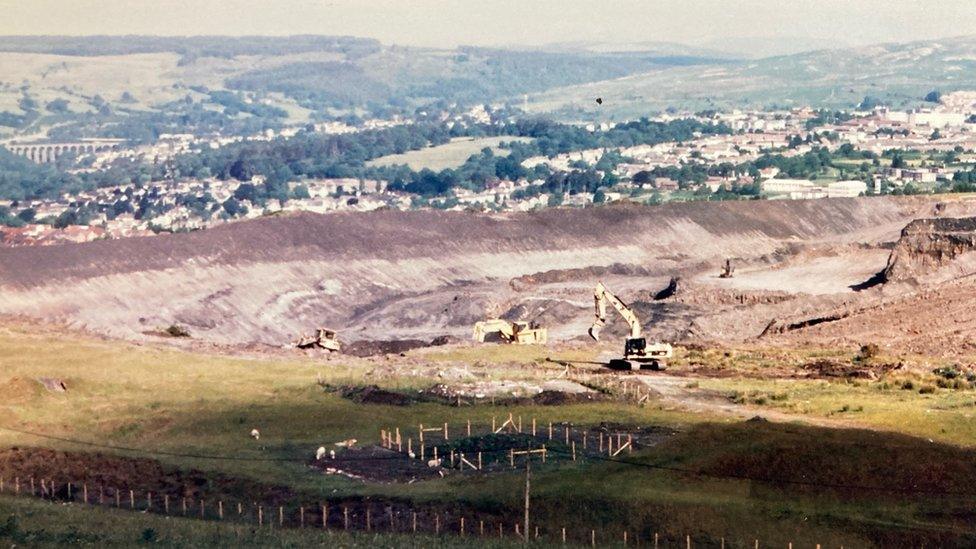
{"points": [[769, 26]]}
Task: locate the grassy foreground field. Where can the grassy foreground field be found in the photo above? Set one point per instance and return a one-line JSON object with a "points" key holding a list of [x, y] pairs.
{"points": [[178, 417]]}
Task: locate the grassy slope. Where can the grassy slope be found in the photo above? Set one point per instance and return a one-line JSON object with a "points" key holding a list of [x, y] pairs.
{"points": [[41, 524], [171, 400], [449, 155]]}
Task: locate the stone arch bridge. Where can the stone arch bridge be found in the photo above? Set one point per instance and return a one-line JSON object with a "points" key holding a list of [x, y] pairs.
{"points": [[43, 153]]}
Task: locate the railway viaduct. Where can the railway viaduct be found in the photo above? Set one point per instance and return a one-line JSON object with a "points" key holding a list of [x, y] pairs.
{"points": [[43, 153]]}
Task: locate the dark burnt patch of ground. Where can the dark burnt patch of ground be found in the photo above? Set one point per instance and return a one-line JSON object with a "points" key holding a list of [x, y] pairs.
{"points": [[377, 464], [367, 348]]}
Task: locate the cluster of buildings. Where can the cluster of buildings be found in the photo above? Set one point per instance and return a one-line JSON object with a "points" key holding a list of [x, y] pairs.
{"points": [[178, 205]]}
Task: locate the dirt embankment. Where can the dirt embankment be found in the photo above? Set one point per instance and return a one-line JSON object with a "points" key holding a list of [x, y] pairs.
{"points": [[414, 275], [928, 245]]}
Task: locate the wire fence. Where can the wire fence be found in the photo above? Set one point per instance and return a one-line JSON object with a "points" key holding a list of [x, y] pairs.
{"points": [[356, 516]]}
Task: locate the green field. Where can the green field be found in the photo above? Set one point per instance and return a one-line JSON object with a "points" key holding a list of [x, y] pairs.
{"points": [[856, 481], [449, 155]]}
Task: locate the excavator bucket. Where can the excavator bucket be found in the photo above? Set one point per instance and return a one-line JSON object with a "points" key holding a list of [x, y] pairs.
{"points": [[594, 332]]}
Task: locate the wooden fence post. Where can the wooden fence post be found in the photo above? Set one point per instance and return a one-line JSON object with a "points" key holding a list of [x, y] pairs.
{"points": [[281, 515], [132, 499], [368, 524], [345, 518], [260, 515], [462, 527], [437, 523], [469, 427], [533, 426], [203, 513], [184, 507], [414, 521], [220, 509]]}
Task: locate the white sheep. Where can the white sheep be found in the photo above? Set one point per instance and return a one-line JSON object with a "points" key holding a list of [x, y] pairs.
{"points": [[349, 443], [255, 434], [320, 453], [434, 463]]}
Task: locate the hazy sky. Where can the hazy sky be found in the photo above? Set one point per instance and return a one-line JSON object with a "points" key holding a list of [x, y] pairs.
{"points": [[791, 24]]}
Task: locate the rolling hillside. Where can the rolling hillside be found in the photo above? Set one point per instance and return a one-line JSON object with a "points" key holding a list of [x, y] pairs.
{"points": [[899, 74]]}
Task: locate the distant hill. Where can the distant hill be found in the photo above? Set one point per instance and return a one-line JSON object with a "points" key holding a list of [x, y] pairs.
{"points": [[137, 87], [105, 81], [899, 74]]}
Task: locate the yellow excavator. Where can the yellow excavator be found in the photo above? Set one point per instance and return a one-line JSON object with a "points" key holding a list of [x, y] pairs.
{"points": [[323, 338], [637, 352], [510, 331]]}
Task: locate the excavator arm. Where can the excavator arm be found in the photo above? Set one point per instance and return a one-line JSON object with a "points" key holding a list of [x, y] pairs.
{"points": [[601, 295]]}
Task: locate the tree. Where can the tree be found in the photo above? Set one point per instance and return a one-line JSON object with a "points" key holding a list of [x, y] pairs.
{"points": [[933, 96], [233, 207], [300, 192], [59, 106], [599, 197]]}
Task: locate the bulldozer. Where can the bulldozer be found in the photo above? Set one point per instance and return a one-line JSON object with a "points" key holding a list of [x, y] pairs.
{"points": [[518, 332], [637, 351], [322, 339]]}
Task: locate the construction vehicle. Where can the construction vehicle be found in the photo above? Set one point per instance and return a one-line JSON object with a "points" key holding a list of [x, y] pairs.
{"points": [[322, 339], [727, 270], [510, 331], [637, 351]]}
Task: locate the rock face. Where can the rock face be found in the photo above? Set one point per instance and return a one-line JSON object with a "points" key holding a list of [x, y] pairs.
{"points": [[928, 245]]}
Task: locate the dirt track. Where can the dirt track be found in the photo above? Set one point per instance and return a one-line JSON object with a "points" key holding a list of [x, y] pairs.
{"points": [[415, 275]]}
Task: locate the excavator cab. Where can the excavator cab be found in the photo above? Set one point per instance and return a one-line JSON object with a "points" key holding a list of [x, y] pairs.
{"points": [[635, 346]]}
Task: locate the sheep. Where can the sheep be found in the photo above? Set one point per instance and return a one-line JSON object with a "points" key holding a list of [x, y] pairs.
{"points": [[349, 443], [320, 453], [434, 463], [255, 434]]}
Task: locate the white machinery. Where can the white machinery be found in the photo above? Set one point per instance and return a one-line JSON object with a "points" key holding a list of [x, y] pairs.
{"points": [[510, 332], [637, 352]]}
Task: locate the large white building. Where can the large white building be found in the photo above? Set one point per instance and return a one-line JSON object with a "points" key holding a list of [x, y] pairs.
{"points": [[846, 189], [783, 186]]}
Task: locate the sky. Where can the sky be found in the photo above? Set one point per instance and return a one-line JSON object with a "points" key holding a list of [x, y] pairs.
{"points": [[765, 26]]}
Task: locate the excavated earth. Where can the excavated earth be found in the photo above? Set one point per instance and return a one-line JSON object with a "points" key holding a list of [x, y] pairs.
{"points": [[803, 270]]}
